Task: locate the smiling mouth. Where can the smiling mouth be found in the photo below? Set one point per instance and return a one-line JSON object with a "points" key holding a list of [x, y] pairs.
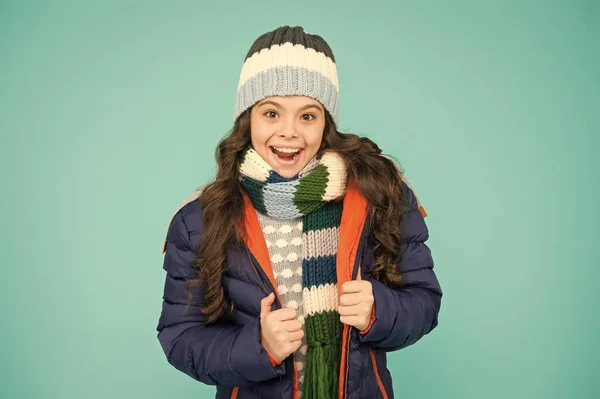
{"points": [[286, 153]]}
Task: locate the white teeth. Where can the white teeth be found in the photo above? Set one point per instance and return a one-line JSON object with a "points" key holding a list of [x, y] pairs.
{"points": [[287, 149]]}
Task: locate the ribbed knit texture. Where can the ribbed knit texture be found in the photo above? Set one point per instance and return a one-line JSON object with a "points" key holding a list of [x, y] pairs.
{"points": [[314, 195], [288, 62]]}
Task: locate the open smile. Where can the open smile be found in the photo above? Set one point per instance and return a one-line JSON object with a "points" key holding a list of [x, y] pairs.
{"points": [[286, 156]]}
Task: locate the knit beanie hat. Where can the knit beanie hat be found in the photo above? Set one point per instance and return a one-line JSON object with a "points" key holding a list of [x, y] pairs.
{"points": [[288, 62]]}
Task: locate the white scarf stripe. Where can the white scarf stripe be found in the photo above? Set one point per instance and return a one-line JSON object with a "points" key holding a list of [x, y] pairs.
{"points": [[320, 299], [321, 242]]}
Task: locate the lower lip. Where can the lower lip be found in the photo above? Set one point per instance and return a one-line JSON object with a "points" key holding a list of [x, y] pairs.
{"points": [[285, 162]]}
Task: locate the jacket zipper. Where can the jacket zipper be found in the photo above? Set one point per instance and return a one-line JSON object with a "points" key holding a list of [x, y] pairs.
{"points": [[345, 344], [264, 288], [346, 339], [342, 394], [377, 376]]}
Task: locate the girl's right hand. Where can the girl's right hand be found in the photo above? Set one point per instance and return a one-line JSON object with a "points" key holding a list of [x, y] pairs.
{"points": [[281, 333]]}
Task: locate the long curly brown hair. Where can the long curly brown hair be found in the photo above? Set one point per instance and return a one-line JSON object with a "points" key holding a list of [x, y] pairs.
{"points": [[377, 178]]}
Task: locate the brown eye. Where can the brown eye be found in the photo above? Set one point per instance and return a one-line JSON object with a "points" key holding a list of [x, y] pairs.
{"points": [[271, 114], [308, 117]]}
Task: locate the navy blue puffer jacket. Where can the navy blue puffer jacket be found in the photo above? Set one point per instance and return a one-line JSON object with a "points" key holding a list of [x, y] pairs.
{"points": [[230, 356]]}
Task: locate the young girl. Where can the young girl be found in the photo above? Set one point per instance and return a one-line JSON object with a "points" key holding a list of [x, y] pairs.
{"points": [[304, 262]]}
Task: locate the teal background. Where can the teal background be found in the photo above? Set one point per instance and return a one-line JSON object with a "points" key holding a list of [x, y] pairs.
{"points": [[109, 116]]}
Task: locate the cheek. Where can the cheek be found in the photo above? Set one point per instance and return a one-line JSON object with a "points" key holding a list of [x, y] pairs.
{"points": [[314, 139], [258, 135]]}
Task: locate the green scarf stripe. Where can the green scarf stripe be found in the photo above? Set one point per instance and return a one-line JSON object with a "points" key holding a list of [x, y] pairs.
{"points": [[254, 188], [311, 186], [325, 327]]}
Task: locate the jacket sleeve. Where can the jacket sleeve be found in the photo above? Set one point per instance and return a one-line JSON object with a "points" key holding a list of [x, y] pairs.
{"points": [[223, 353], [402, 316]]}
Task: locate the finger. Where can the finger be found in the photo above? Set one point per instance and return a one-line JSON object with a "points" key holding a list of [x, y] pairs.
{"points": [[349, 299], [358, 277], [350, 310], [353, 286], [266, 303], [296, 335], [284, 314], [350, 320], [296, 345], [292, 325], [362, 309]]}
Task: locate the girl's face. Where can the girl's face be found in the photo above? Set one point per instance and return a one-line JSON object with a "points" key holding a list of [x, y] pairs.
{"points": [[287, 131]]}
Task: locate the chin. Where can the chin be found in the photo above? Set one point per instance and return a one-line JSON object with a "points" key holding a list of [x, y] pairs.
{"points": [[287, 173]]}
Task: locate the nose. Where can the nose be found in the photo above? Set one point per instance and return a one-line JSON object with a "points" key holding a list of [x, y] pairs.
{"points": [[288, 130], [288, 135]]}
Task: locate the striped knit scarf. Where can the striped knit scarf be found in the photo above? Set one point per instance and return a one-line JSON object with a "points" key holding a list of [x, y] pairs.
{"points": [[312, 195]]}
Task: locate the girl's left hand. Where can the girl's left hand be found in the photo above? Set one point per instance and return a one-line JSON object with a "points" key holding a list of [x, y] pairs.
{"points": [[356, 303]]}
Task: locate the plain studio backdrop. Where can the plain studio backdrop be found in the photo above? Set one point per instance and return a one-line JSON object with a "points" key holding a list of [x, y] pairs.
{"points": [[109, 117]]}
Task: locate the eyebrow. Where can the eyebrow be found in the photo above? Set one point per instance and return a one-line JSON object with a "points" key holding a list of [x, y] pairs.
{"points": [[279, 105], [310, 106]]}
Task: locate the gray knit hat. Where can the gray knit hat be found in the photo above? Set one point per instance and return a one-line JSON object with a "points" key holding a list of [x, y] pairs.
{"points": [[288, 62]]}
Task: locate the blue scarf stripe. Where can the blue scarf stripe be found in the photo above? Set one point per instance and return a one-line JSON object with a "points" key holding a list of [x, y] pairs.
{"points": [[319, 270], [279, 200]]}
